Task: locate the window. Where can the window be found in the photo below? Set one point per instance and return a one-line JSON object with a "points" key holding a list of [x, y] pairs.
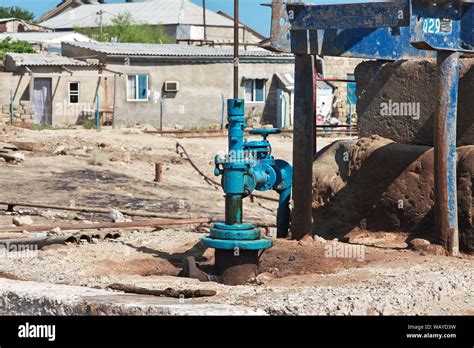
{"points": [[137, 87], [254, 90], [74, 93]]}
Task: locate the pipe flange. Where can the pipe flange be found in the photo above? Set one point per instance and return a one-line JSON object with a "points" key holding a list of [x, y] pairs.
{"points": [[226, 244], [250, 234]]}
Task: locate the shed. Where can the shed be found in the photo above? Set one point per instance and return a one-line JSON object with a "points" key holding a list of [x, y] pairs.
{"points": [[49, 89]]}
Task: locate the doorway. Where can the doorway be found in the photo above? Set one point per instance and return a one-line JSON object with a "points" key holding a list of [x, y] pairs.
{"points": [[42, 101]]}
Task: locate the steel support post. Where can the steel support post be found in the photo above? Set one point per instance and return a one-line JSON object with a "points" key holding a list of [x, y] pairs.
{"points": [[303, 142], [315, 116], [445, 158]]}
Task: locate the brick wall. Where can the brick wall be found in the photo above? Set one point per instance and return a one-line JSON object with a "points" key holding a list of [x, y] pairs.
{"points": [[22, 113]]}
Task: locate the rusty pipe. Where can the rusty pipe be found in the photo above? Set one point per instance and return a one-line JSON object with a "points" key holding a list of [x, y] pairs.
{"points": [[158, 172], [133, 224], [445, 157]]}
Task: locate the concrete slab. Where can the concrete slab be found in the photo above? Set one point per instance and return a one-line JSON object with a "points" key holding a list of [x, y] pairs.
{"points": [[33, 298]]}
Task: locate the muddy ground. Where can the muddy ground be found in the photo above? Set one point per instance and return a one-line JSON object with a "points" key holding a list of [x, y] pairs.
{"points": [[115, 168]]}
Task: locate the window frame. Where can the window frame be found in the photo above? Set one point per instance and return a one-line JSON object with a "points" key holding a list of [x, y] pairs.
{"points": [[254, 91], [137, 92], [78, 92]]}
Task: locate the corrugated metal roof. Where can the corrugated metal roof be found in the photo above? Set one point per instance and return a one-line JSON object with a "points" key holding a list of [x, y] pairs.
{"points": [[37, 59], [34, 37], [2, 20], [154, 12], [137, 49]]}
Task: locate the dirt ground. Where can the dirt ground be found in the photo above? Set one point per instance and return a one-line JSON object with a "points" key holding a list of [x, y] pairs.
{"points": [[115, 169]]}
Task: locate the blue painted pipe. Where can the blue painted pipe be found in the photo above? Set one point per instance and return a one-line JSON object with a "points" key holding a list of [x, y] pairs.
{"points": [[97, 113], [445, 157], [283, 213], [248, 166]]}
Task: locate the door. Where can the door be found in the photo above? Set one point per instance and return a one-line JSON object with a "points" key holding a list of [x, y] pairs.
{"points": [[42, 101]]}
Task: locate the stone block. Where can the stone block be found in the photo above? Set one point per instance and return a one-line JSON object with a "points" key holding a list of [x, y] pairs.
{"points": [[380, 186], [397, 100]]}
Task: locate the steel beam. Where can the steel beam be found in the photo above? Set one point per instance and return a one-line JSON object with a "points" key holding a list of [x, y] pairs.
{"points": [[348, 16], [304, 133], [445, 158]]}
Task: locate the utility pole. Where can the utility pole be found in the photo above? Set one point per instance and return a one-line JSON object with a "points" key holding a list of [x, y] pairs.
{"points": [[100, 13], [204, 18], [236, 49]]}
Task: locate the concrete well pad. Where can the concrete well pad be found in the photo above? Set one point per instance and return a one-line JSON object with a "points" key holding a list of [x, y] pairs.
{"points": [[33, 298]]}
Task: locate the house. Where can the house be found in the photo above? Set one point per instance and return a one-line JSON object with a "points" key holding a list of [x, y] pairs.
{"points": [[182, 20], [46, 41], [43, 87], [168, 86], [16, 25], [185, 86], [64, 6]]}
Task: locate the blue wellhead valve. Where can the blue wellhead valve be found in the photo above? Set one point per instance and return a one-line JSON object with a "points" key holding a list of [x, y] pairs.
{"points": [[248, 166]]}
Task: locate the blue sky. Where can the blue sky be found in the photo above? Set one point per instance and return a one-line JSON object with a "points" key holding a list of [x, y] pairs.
{"points": [[251, 13]]}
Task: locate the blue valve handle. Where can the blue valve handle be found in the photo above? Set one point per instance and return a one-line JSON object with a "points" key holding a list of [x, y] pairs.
{"points": [[265, 131]]}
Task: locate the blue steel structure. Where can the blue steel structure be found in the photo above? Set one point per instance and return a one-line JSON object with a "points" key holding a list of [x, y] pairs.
{"points": [[391, 30], [248, 166]]}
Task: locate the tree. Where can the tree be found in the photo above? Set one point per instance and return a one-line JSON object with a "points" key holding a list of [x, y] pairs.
{"points": [[123, 29], [16, 12], [9, 46]]}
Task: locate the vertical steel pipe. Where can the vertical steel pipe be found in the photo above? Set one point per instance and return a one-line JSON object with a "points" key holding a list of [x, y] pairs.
{"points": [[97, 112], [11, 108], [115, 102], [158, 172], [315, 116], [445, 158], [303, 142], [204, 18], [236, 49]]}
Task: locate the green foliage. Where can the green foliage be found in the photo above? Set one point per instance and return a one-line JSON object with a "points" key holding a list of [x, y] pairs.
{"points": [[40, 127], [16, 12], [88, 124], [123, 29], [7, 45]]}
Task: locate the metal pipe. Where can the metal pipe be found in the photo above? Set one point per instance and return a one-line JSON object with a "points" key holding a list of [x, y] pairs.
{"points": [[236, 49], [162, 100], [314, 117], [283, 213], [204, 18], [115, 102], [333, 80], [36, 243], [445, 157], [158, 171], [223, 112], [97, 113], [233, 209], [11, 108], [133, 224], [303, 135], [127, 212]]}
